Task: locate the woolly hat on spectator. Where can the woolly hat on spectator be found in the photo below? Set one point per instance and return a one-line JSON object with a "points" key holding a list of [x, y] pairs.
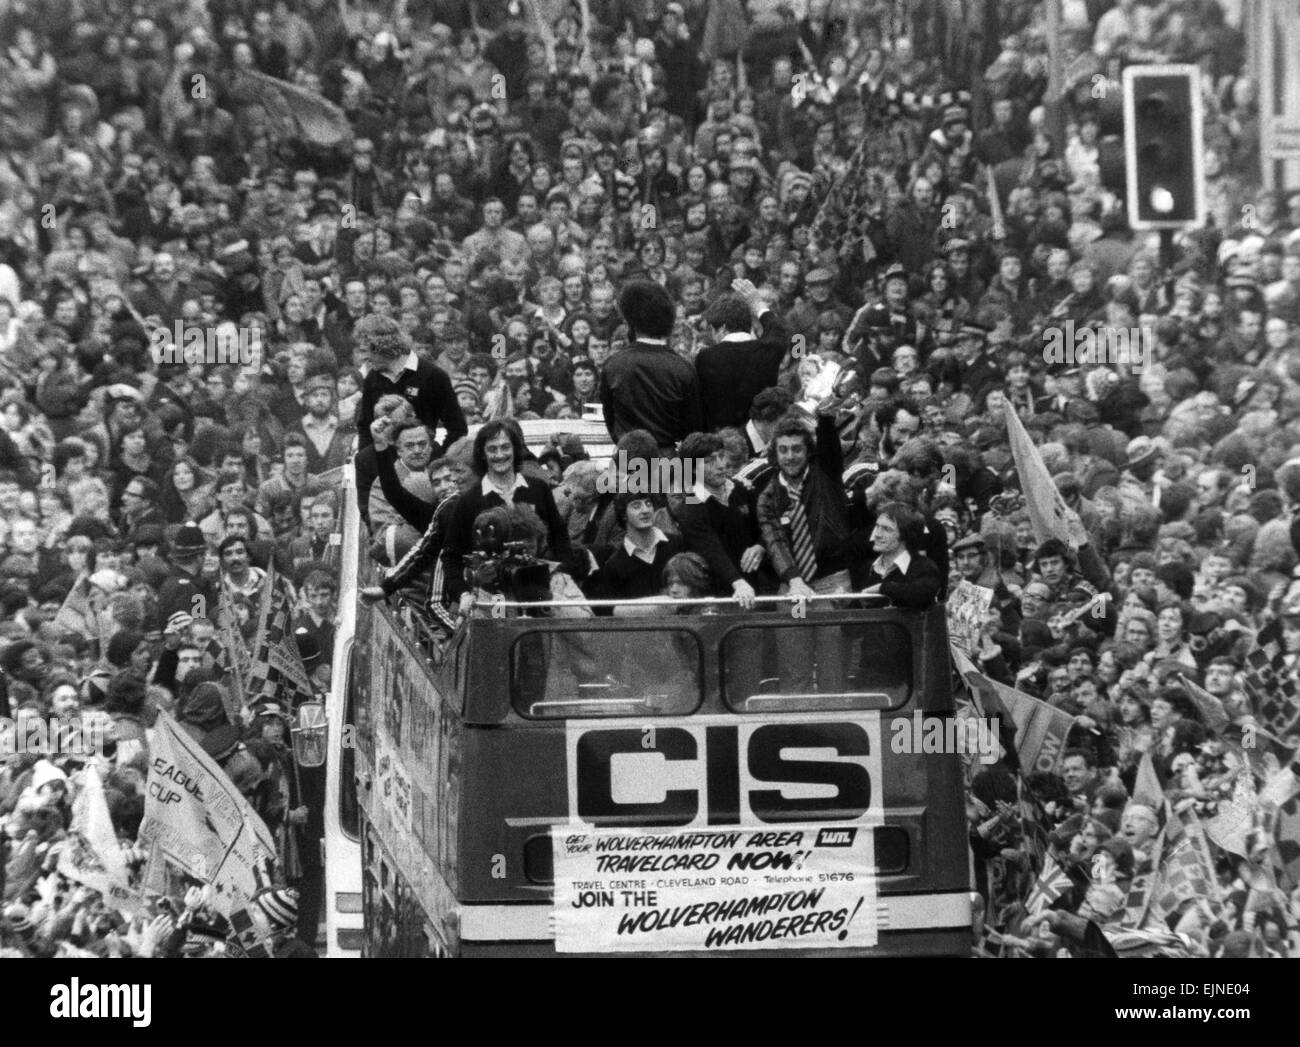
{"points": [[1141, 449], [188, 540], [280, 906], [308, 648], [21, 922], [44, 772]]}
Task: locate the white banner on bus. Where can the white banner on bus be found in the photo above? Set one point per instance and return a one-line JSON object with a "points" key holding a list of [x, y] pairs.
{"points": [[797, 886], [395, 786]]}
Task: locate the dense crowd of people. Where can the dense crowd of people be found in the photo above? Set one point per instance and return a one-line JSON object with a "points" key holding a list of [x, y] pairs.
{"points": [[808, 253]]}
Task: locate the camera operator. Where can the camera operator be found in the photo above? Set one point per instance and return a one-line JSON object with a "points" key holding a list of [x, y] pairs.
{"points": [[498, 456], [506, 563]]}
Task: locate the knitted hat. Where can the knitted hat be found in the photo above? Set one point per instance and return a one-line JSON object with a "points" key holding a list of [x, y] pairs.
{"points": [[18, 919], [188, 540], [308, 647], [44, 772], [280, 906], [469, 386]]}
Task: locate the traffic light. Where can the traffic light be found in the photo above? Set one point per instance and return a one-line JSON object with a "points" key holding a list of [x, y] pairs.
{"points": [[1162, 146]]}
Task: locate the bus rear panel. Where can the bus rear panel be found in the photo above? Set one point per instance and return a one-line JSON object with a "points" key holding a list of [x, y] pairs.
{"points": [[684, 784]]}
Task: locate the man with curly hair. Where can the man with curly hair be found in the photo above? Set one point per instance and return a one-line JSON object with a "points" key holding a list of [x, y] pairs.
{"points": [[396, 369]]}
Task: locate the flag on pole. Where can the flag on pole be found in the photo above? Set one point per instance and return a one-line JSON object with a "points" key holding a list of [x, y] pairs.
{"points": [[293, 111], [92, 854], [1141, 888], [1270, 683], [76, 615], [1186, 870], [1231, 825], [233, 658], [1047, 509], [1286, 844], [1146, 787], [201, 822], [1040, 729], [275, 667], [1211, 709], [1051, 884]]}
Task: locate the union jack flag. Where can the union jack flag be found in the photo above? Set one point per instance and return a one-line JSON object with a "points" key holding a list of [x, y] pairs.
{"points": [[275, 667], [1052, 883]]}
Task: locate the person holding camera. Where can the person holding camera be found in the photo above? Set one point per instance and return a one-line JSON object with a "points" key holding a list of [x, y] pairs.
{"points": [[498, 458]]}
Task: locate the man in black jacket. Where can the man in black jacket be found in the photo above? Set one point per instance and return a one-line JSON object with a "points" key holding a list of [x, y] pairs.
{"points": [[717, 522], [634, 569], [396, 369], [647, 385], [739, 366]]}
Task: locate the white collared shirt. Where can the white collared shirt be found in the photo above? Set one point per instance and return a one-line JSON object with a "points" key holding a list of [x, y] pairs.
{"points": [[902, 562], [488, 487], [702, 494], [645, 555], [790, 488]]}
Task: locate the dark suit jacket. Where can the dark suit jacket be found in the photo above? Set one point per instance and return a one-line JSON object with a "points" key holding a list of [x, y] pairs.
{"points": [[913, 590], [733, 373], [721, 534], [650, 387], [460, 535]]}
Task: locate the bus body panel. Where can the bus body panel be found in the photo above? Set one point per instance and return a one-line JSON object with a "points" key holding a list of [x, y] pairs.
{"points": [[343, 903], [460, 791]]}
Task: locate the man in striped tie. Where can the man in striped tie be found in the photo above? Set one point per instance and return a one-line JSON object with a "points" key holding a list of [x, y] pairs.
{"points": [[805, 526]]}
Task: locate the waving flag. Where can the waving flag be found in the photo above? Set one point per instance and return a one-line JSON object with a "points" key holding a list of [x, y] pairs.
{"points": [[1051, 884], [1270, 683], [1231, 825], [293, 111], [92, 854], [275, 668], [1212, 711], [1040, 729], [1186, 870], [1047, 509], [201, 822]]}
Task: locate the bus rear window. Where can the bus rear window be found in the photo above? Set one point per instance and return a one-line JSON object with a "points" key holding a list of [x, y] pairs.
{"points": [[806, 667], [577, 674]]}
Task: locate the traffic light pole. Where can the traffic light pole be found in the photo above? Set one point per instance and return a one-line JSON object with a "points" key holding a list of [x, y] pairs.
{"points": [[1167, 250]]}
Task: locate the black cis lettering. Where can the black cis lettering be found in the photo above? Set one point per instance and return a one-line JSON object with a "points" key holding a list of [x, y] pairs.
{"points": [[764, 756], [596, 803], [851, 780]]}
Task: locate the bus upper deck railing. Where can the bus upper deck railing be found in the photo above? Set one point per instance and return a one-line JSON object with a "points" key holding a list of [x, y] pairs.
{"points": [[694, 601]]}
